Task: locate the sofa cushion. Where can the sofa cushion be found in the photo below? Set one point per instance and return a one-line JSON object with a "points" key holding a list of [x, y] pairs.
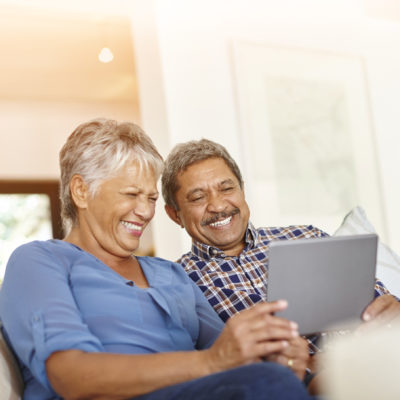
{"points": [[388, 262], [11, 384]]}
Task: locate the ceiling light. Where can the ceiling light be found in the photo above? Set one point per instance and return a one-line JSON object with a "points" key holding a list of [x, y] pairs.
{"points": [[105, 55]]}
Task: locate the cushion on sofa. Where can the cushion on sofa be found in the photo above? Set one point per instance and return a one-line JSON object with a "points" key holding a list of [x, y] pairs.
{"points": [[11, 384], [388, 262]]}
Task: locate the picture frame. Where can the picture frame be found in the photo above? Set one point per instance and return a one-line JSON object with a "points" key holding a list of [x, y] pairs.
{"points": [[308, 138]]}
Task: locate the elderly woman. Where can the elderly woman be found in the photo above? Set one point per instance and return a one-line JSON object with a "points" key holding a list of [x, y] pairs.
{"points": [[89, 320]]}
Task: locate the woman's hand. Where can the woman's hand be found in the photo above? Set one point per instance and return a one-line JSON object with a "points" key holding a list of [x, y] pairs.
{"points": [[251, 336], [295, 356]]}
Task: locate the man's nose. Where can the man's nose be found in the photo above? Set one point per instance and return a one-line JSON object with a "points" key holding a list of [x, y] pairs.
{"points": [[216, 203]]}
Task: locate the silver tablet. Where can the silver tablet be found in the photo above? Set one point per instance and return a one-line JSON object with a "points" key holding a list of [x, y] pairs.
{"points": [[327, 282]]}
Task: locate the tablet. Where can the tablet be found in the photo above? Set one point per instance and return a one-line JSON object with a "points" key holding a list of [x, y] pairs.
{"points": [[327, 281]]}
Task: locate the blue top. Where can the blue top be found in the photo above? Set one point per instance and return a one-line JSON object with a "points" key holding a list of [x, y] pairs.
{"points": [[55, 296]]}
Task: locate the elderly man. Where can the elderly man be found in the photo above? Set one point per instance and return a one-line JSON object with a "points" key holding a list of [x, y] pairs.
{"points": [[203, 190]]}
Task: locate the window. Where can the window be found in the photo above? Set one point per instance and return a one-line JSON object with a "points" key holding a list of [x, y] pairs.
{"points": [[29, 210]]}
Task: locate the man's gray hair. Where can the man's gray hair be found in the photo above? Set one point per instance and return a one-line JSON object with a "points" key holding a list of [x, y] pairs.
{"points": [[185, 154], [97, 150]]}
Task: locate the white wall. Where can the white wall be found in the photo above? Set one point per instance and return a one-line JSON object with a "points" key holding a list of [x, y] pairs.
{"points": [[32, 133], [187, 88], [196, 74]]}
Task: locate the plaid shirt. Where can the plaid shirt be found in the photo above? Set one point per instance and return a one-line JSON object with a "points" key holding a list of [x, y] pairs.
{"points": [[231, 283]]}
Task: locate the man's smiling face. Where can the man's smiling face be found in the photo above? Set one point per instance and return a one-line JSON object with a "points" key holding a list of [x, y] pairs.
{"points": [[212, 205]]}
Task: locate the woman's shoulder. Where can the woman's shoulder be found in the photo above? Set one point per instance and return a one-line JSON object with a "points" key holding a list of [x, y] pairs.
{"points": [[31, 248], [160, 266], [42, 246], [49, 252]]}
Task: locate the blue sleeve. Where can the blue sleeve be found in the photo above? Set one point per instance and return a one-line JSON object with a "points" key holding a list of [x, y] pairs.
{"points": [[211, 324], [38, 310]]}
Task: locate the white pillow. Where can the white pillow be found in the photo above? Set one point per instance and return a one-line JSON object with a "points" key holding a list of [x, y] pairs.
{"points": [[388, 262], [11, 385]]}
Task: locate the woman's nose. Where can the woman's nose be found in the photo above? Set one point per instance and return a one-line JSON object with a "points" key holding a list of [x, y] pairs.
{"points": [[144, 209]]}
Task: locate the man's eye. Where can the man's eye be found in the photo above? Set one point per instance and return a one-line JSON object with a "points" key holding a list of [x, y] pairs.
{"points": [[194, 199], [153, 199], [227, 189]]}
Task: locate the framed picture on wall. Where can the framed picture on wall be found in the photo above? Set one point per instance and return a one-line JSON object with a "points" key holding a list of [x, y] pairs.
{"points": [[307, 134]]}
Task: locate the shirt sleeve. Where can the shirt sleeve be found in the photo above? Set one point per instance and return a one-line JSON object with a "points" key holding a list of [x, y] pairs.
{"points": [[211, 324], [38, 310], [381, 289]]}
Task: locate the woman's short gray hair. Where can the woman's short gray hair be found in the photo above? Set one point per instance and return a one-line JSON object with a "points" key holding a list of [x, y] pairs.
{"points": [[97, 150], [185, 154]]}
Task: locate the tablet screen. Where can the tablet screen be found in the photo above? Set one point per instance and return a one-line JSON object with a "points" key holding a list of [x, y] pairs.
{"points": [[327, 281]]}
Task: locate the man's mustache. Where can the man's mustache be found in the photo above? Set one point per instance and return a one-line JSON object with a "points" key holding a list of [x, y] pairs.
{"points": [[220, 215]]}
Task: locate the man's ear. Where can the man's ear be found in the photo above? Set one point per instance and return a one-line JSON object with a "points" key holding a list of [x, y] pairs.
{"points": [[79, 191], [173, 214]]}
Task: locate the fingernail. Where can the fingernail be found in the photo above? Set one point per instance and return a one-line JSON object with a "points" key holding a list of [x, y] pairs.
{"points": [[283, 303], [366, 317], [294, 325]]}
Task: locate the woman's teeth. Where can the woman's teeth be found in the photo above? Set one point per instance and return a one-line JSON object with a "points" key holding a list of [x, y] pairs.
{"points": [[131, 226]]}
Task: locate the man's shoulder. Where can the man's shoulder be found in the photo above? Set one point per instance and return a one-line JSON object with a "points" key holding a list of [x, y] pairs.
{"points": [[194, 263], [188, 258], [290, 232]]}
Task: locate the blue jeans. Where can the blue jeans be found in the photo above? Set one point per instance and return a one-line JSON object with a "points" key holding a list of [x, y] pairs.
{"points": [[251, 382]]}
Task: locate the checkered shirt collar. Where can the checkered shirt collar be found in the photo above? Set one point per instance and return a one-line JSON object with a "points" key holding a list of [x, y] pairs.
{"points": [[207, 252]]}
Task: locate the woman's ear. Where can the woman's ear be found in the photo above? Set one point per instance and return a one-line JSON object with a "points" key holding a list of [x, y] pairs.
{"points": [[79, 191]]}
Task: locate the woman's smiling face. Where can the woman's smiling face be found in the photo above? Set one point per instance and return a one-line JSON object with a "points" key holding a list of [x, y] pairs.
{"points": [[115, 217]]}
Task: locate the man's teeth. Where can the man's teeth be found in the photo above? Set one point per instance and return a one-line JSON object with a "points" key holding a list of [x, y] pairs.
{"points": [[131, 226], [221, 223]]}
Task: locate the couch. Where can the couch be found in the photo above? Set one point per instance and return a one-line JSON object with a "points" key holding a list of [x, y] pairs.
{"points": [[11, 384]]}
